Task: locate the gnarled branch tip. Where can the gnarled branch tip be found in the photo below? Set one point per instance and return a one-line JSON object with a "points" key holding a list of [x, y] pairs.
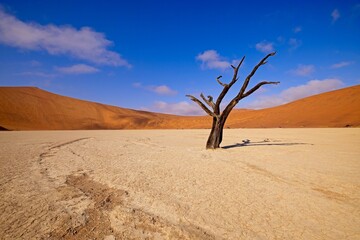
{"points": [[272, 54]]}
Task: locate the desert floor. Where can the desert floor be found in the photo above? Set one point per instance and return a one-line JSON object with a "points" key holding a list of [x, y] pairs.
{"points": [[163, 184]]}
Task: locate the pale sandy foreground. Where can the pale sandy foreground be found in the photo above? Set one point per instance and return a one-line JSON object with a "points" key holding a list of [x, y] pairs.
{"points": [[163, 184]]}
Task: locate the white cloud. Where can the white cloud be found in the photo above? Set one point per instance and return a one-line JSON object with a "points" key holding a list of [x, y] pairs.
{"points": [[341, 64], [212, 60], [209, 55], [161, 90], [303, 70], [180, 108], [294, 43], [297, 29], [265, 47], [335, 14], [77, 69], [312, 87], [85, 43]]}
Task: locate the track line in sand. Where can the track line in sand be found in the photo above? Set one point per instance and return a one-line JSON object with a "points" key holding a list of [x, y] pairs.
{"points": [[110, 211], [68, 143], [163, 184]]}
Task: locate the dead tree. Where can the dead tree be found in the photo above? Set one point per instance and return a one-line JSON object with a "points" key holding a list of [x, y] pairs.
{"points": [[219, 118]]}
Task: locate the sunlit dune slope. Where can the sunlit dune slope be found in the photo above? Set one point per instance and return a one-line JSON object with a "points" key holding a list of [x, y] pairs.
{"points": [[340, 108], [28, 108], [25, 108]]}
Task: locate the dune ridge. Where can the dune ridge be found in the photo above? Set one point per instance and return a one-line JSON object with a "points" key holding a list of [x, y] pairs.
{"points": [[30, 108]]}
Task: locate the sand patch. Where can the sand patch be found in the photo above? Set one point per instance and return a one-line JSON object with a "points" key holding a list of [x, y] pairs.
{"points": [[298, 184]]}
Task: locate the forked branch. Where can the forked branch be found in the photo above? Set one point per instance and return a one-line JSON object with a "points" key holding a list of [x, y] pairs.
{"points": [[256, 87], [194, 99], [221, 83], [219, 119], [247, 80], [209, 101], [228, 86], [242, 94]]}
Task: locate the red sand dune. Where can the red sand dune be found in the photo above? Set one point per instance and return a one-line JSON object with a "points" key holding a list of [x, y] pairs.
{"points": [[29, 108]]}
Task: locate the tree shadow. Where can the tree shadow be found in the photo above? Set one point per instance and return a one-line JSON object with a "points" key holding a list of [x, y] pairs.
{"points": [[262, 143]]}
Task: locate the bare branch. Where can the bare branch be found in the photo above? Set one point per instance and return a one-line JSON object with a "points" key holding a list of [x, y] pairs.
{"points": [[236, 70], [242, 93], [236, 99], [256, 87], [218, 80], [194, 99], [208, 101], [227, 87], [219, 118], [247, 80]]}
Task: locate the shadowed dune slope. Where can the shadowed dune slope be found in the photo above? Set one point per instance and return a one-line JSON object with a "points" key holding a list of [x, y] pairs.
{"points": [[29, 108]]}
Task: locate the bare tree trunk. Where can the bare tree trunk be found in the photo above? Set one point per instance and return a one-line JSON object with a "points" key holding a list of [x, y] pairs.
{"points": [[217, 129], [216, 134], [219, 118]]}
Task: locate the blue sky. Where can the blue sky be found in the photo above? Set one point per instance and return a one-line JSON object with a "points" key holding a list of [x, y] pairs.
{"points": [[149, 54]]}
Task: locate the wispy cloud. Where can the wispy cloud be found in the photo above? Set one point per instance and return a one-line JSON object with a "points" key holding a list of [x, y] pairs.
{"points": [[356, 10], [281, 39], [294, 93], [85, 43], [180, 108], [335, 14], [297, 29], [137, 85], [303, 70], [35, 63], [161, 89], [212, 60], [265, 47], [341, 64], [77, 69], [36, 74], [294, 43]]}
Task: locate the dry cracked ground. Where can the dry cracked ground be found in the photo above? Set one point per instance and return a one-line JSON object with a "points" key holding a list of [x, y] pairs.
{"points": [[284, 184]]}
